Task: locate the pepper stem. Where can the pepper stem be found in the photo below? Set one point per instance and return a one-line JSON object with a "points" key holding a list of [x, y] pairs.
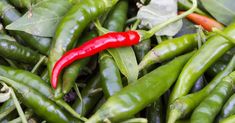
{"points": [[155, 29]]}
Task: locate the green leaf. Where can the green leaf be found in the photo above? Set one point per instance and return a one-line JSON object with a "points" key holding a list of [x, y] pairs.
{"points": [[157, 12], [126, 62], [222, 10], [42, 19]]}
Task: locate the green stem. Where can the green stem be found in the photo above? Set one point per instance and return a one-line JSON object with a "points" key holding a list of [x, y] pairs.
{"points": [[36, 67], [135, 25], [155, 29], [18, 107], [101, 30], [12, 64], [79, 96], [131, 20]]}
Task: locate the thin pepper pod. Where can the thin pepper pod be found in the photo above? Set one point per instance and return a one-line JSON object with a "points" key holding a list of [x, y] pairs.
{"points": [[71, 72], [88, 101], [95, 45], [169, 49], [9, 14], [33, 99], [45, 76], [211, 105], [8, 107], [110, 76], [228, 108], [183, 106], [131, 99], [213, 49], [72, 25], [35, 82], [15, 51]]}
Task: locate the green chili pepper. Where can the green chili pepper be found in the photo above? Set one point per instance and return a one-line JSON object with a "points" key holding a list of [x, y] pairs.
{"points": [[154, 113], [183, 106], [169, 49], [134, 97], [13, 50], [230, 119], [35, 82], [228, 108], [70, 74], [211, 105], [213, 49], [88, 101], [10, 14], [110, 76], [72, 25], [42, 106], [142, 49]]}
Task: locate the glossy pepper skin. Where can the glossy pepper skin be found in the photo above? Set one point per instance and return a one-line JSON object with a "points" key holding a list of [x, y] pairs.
{"points": [[211, 105], [213, 49], [134, 97], [71, 72], [183, 106], [109, 40], [48, 109], [88, 101], [72, 24], [9, 14], [110, 76], [169, 49], [228, 108], [15, 51]]}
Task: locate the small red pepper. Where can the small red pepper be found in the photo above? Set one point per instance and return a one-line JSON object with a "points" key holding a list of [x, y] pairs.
{"points": [[109, 40], [206, 22]]}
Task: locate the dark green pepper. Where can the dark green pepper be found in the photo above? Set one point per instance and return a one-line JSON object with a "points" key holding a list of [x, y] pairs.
{"points": [[211, 105], [134, 97], [154, 113], [183, 106], [228, 108], [13, 50]]}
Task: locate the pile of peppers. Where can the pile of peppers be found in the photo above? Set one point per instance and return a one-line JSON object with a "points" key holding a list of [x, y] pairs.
{"points": [[75, 77]]}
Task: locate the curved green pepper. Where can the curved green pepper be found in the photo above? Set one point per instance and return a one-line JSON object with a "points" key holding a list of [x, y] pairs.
{"points": [[134, 97], [230, 119], [42, 106], [183, 106], [211, 105], [13, 50], [213, 49], [110, 76], [228, 108], [169, 49], [9, 14]]}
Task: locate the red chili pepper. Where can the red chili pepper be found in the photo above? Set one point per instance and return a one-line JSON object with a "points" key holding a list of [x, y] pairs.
{"points": [[206, 22], [109, 40]]}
